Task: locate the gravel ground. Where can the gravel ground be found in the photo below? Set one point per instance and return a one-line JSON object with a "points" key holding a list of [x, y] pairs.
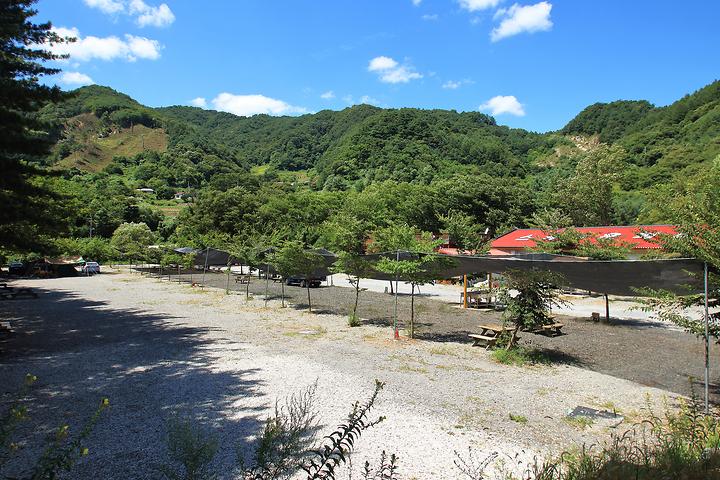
{"points": [[643, 351], [155, 347]]}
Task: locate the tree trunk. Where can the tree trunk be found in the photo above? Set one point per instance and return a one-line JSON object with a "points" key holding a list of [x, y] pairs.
{"points": [[247, 289], [282, 292], [227, 284], [179, 274], [412, 310], [357, 295], [607, 308], [513, 338], [391, 288], [307, 285]]}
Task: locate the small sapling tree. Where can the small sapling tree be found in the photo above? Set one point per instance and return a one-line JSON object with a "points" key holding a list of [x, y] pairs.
{"points": [[293, 260], [530, 296]]}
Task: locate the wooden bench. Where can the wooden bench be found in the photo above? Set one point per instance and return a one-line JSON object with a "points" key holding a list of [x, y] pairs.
{"points": [[552, 329], [489, 335], [479, 340]]}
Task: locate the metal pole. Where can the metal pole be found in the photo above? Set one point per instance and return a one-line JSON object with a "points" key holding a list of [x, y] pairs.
{"points": [[395, 328], [207, 252], [707, 345], [464, 291], [267, 282]]}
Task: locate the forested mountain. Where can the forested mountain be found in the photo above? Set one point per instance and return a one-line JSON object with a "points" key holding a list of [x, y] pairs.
{"points": [[610, 164]]}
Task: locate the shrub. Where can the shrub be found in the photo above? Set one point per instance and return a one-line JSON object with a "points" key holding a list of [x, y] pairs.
{"points": [[520, 356], [353, 320]]}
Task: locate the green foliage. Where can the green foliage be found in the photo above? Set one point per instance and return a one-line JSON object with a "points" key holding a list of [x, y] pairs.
{"points": [[191, 451], [31, 207], [293, 260], [131, 240], [518, 418], [587, 196], [530, 296], [286, 447], [695, 207], [520, 356], [286, 439], [608, 120], [464, 231], [60, 451], [96, 249], [418, 267], [681, 444]]}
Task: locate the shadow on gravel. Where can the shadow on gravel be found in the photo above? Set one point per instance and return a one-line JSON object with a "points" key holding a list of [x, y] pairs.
{"points": [[149, 368]]}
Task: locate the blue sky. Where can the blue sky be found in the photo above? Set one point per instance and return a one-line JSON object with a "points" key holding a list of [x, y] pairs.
{"points": [[533, 64]]}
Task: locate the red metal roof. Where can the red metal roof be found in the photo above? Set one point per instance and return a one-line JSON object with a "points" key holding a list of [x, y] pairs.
{"points": [[638, 236]]}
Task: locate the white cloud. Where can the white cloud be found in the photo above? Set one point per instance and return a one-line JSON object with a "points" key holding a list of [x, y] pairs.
{"points": [[455, 84], [428, 17], [369, 100], [518, 19], [477, 5], [382, 63], [504, 104], [198, 102], [247, 105], [390, 71], [416, 2], [160, 16], [106, 48], [329, 95], [75, 79], [142, 47], [106, 6]]}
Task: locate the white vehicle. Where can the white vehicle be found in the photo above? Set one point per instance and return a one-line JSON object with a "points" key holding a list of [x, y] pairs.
{"points": [[90, 268]]}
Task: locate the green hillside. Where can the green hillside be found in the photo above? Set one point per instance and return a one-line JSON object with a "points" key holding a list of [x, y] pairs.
{"points": [[611, 164]]}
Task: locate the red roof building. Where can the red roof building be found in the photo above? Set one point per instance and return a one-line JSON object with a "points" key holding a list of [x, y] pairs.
{"points": [[638, 237]]}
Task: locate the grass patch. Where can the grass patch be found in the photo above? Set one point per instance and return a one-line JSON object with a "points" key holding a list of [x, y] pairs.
{"points": [[518, 418], [520, 356], [581, 423], [443, 351], [412, 368], [353, 320]]}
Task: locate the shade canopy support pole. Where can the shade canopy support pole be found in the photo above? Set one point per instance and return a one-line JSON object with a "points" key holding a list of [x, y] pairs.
{"points": [[707, 344]]}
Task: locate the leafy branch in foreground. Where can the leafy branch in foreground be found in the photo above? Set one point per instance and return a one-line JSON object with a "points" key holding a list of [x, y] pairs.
{"points": [[61, 449], [285, 447], [339, 444], [286, 438]]}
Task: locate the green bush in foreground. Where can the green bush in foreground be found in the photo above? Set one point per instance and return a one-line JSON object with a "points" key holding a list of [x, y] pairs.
{"points": [[683, 444], [520, 356]]}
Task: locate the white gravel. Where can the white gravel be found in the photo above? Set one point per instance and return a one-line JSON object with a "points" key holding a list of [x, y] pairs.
{"points": [[155, 348]]}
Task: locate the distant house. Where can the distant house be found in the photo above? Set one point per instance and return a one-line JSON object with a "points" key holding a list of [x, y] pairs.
{"points": [[178, 195], [638, 237]]}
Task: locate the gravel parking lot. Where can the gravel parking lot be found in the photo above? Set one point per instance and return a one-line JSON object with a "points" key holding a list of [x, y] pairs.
{"points": [[157, 347]]}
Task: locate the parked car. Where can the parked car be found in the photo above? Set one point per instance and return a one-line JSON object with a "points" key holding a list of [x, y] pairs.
{"points": [[302, 282], [90, 268], [16, 268]]}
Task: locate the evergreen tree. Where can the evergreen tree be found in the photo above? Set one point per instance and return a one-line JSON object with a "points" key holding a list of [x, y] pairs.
{"points": [[30, 208]]}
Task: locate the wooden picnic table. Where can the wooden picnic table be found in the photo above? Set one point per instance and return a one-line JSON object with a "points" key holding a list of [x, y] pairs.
{"points": [[489, 335]]}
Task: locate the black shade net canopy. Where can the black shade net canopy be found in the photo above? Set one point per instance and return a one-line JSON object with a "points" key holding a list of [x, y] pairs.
{"points": [[616, 277]]}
